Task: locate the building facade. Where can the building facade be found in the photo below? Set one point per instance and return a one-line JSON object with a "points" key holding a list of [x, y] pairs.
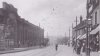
{"points": [[79, 33], [16, 31], [93, 13]]}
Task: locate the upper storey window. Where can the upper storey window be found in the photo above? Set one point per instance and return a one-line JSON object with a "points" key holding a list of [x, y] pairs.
{"points": [[88, 1], [95, 17], [96, 1]]}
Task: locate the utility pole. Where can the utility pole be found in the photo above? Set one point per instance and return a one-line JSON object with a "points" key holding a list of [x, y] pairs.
{"points": [[76, 34], [39, 24], [65, 34], [72, 35], [69, 36], [47, 34], [72, 26]]}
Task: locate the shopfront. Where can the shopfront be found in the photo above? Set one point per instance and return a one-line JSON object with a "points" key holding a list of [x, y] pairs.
{"points": [[95, 39]]}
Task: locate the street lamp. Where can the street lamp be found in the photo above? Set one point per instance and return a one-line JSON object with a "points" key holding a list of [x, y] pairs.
{"points": [[88, 23]]}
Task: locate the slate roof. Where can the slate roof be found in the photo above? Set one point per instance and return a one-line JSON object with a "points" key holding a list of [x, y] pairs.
{"points": [[80, 25]]}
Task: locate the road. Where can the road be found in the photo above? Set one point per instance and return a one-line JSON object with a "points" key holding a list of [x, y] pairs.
{"points": [[48, 51]]}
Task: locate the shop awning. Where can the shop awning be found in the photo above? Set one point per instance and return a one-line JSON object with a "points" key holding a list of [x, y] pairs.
{"points": [[79, 36], [95, 30], [83, 36]]}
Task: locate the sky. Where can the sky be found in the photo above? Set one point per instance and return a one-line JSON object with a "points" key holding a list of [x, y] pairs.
{"points": [[55, 16]]}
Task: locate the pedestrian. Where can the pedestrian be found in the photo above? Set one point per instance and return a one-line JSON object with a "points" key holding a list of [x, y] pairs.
{"points": [[56, 47], [79, 46], [74, 47]]}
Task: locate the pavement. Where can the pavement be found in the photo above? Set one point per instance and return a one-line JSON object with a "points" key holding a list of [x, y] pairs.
{"points": [[91, 53], [94, 54], [19, 50]]}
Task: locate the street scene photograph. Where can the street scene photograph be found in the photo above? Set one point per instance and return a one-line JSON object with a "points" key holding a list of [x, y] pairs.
{"points": [[49, 28]]}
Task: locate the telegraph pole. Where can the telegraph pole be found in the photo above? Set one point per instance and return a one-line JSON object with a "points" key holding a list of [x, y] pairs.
{"points": [[39, 24], [76, 34], [47, 34], [72, 35], [65, 34], [72, 25], [69, 36]]}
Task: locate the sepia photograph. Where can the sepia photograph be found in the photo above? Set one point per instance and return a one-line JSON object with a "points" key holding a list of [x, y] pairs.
{"points": [[49, 28]]}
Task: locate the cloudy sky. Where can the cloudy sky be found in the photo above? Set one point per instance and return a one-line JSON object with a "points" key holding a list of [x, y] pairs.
{"points": [[55, 16]]}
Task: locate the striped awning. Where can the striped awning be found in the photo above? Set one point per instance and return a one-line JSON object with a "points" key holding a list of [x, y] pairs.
{"points": [[83, 36], [95, 30], [79, 36]]}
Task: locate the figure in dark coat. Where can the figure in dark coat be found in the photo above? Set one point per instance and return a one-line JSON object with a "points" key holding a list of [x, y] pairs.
{"points": [[56, 47]]}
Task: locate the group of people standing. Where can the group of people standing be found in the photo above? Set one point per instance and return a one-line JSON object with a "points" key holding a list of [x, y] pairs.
{"points": [[81, 46]]}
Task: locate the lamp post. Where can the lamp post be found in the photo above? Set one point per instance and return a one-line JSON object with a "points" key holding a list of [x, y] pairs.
{"points": [[88, 23]]}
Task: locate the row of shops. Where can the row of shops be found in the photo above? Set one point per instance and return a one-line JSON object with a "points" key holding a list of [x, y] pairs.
{"points": [[83, 36], [86, 34]]}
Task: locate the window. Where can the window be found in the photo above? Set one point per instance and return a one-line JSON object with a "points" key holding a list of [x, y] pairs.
{"points": [[96, 1], [95, 17], [89, 1]]}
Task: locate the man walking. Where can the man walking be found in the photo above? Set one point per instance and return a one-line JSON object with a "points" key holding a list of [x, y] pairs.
{"points": [[56, 47]]}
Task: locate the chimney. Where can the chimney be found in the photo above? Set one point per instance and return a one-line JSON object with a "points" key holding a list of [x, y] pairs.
{"points": [[81, 18]]}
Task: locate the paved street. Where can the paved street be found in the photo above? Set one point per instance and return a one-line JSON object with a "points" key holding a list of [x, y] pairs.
{"points": [[48, 51]]}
